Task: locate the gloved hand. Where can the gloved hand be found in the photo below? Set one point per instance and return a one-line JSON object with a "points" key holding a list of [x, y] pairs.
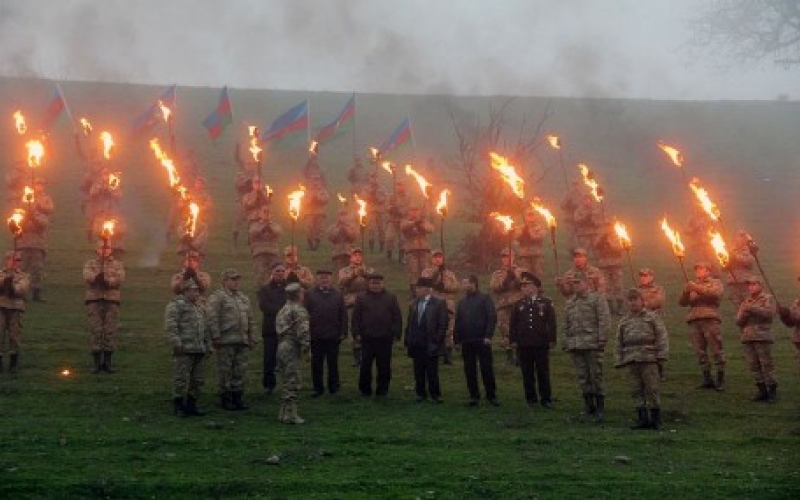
{"points": [[189, 273], [100, 279]]}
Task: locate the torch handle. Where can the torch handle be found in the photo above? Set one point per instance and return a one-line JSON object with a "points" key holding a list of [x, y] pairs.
{"points": [[766, 280], [555, 249], [441, 235], [563, 169], [683, 268], [630, 265]]}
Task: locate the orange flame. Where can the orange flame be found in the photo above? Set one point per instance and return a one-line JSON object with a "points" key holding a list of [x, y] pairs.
{"points": [[66, 372], [268, 190], [255, 148], [375, 152], [191, 223], [342, 199], [108, 229], [506, 220], [674, 155], [536, 205], [27, 195], [674, 238], [591, 182], [554, 141], [165, 111], [15, 222], [295, 198], [35, 153], [166, 162], [113, 180], [387, 165], [86, 126], [362, 211], [708, 206], [108, 143], [509, 174], [622, 234], [424, 185], [19, 121], [313, 148], [441, 206], [719, 248]]}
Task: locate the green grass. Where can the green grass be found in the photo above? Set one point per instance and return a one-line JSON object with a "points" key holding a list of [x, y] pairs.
{"points": [[87, 436]]}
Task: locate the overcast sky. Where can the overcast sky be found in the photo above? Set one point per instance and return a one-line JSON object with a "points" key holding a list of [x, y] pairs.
{"points": [[596, 48]]}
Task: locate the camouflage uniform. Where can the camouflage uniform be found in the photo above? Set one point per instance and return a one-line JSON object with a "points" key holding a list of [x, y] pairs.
{"points": [[313, 212], [654, 297], [117, 240], [186, 324], [755, 317], [13, 287], [103, 197], [585, 332], [103, 277], [505, 283], [588, 222], [243, 184], [791, 318], [597, 283], [264, 236], [703, 297], [254, 201], [376, 199], [398, 206], [197, 243], [357, 176], [415, 243], [530, 241], [445, 287], [740, 265], [697, 242], [353, 281], [570, 203], [292, 327], [32, 243], [233, 330], [609, 253], [343, 235]]}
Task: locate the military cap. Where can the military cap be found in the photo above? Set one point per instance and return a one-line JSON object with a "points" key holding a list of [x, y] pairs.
{"points": [[278, 264], [192, 254], [578, 251], [190, 283], [578, 277], [437, 252], [702, 263], [425, 282], [230, 274], [646, 271], [530, 278], [290, 250], [324, 271], [375, 276], [506, 251], [633, 293], [355, 250], [753, 278], [293, 287]]}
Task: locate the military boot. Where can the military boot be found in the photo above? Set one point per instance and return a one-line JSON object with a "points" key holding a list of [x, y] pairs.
{"points": [[106, 366], [389, 255], [192, 409], [1, 364], [238, 403], [281, 413], [600, 414], [371, 246], [708, 382], [448, 356], [12, 363], [226, 401], [178, 408], [96, 362], [720, 385], [588, 404], [772, 392], [356, 357], [655, 419], [37, 295], [291, 415], [761, 393], [642, 421], [235, 238]]}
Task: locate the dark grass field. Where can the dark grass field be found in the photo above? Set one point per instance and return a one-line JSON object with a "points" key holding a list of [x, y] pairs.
{"points": [[113, 436]]}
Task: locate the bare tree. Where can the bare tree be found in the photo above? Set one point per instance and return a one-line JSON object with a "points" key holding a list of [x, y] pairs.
{"points": [[748, 31]]}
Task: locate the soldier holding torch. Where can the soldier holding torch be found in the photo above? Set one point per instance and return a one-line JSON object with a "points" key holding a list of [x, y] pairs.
{"points": [[13, 287]]}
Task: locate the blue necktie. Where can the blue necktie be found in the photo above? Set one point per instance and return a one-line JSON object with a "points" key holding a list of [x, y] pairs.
{"points": [[421, 310]]}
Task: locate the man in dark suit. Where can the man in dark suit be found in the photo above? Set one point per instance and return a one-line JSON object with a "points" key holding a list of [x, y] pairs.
{"points": [[426, 329]]}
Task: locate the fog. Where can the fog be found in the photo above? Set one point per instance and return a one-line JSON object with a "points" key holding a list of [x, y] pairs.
{"points": [[573, 48]]}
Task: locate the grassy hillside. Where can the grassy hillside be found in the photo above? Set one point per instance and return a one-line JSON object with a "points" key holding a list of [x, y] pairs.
{"points": [[88, 436]]}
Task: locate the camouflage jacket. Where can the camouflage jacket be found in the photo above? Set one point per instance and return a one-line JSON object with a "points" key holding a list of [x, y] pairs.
{"points": [[653, 296], [415, 234], [641, 338], [755, 317], [114, 273], [13, 297], [291, 324], [252, 203], [398, 205], [342, 234], [34, 231], [741, 264], [304, 275], [231, 320], [586, 322], [445, 285], [588, 219], [315, 201], [186, 325], [530, 239], [178, 279], [702, 298], [597, 282], [264, 236], [794, 313], [352, 281], [506, 286], [609, 250]]}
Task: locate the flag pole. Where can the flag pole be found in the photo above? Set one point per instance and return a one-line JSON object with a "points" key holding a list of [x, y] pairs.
{"points": [[66, 106], [353, 132]]}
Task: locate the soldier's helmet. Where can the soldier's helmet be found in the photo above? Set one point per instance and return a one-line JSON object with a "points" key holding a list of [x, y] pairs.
{"points": [[230, 274]]}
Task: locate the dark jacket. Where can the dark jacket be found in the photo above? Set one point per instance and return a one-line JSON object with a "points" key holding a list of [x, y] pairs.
{"points": [[377, 315], [427, 334], [271, 298], [476, 318], [327, 314], [532, 323]]}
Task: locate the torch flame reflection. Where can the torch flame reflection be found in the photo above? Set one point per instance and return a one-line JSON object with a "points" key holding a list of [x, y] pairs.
{"points": [[674, 155], [19, 122], [708, 206], [509, 174], [108, 229], [113, 180], [15, 222], [674, 238]]}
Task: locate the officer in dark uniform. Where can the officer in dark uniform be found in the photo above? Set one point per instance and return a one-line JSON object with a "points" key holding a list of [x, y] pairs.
{"points": [[532, 331]]}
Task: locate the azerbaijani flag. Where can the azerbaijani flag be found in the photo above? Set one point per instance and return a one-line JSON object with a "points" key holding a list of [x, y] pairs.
{"points": [[145, 122], [221, 117], [294, 120], [55, 107], [399, 137], [346, 116]]}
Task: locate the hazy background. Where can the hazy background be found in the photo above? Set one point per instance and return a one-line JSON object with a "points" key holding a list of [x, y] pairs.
{"points": [[574, 48]]}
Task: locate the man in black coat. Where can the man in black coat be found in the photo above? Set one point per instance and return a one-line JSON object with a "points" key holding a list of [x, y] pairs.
{"points": [[426, 329], [377, 322], [532, 330], [327, 328], [475, 321], [271, 298]]}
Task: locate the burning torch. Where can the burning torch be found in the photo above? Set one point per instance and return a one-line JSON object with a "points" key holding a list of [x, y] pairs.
{"points": [[509, 174], [551, 223], [295, 198], [389, 167], [508, 225], [166, 112], [424, 186], [594, 188], [555, 143], [86, 127], [676, 156], [362, 217], [708, 206], [105, 234], [718, 243], [15, 225], [677, 246], [108, 142], [625, 242], [752, 247], [255, 147], [441, 209], [19, 122], [35, 152]]}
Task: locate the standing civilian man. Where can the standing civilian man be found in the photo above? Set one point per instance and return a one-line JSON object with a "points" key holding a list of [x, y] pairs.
{"points": [[328, 327], [475, 321], [426, 328]]}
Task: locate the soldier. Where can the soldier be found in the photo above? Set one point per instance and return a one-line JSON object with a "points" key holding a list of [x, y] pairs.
{"points": [[342, 234], [641, 344], [294, 271], [375, 197], [191, 271], [12, 306], [196, 241], [588, 221], [264, 235], [585, 333], [105, 194], [740, 266], [506, 283], [353, 281], [791, 318], [698, 244], [233, 332], [702, 297], [357, 176], [755, 317], [654, 297], [445, 287], [292, 328], [32, 242], [328, 327], [415, 229], [532, 332], [104, 276], [254, 200], [398, 205], [530, 242], [571, 201], [609, 251], [426, 328], [186, 323], [118, 231], [580, 264], [243, 183], [314, 203]]}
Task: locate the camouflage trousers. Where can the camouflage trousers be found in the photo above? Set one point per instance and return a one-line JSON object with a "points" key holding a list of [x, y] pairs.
{"points": [[262, 267], [759, 361], [103, 317], [10, 330], [314, 226], [416, 262], [504, 324], [645, 385], [288, 368], [614, 282], [705, 334], [188, 375], [589, 370], [376, 229], [393, 234], [534, 263], [33, 264], [231, 367]]}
